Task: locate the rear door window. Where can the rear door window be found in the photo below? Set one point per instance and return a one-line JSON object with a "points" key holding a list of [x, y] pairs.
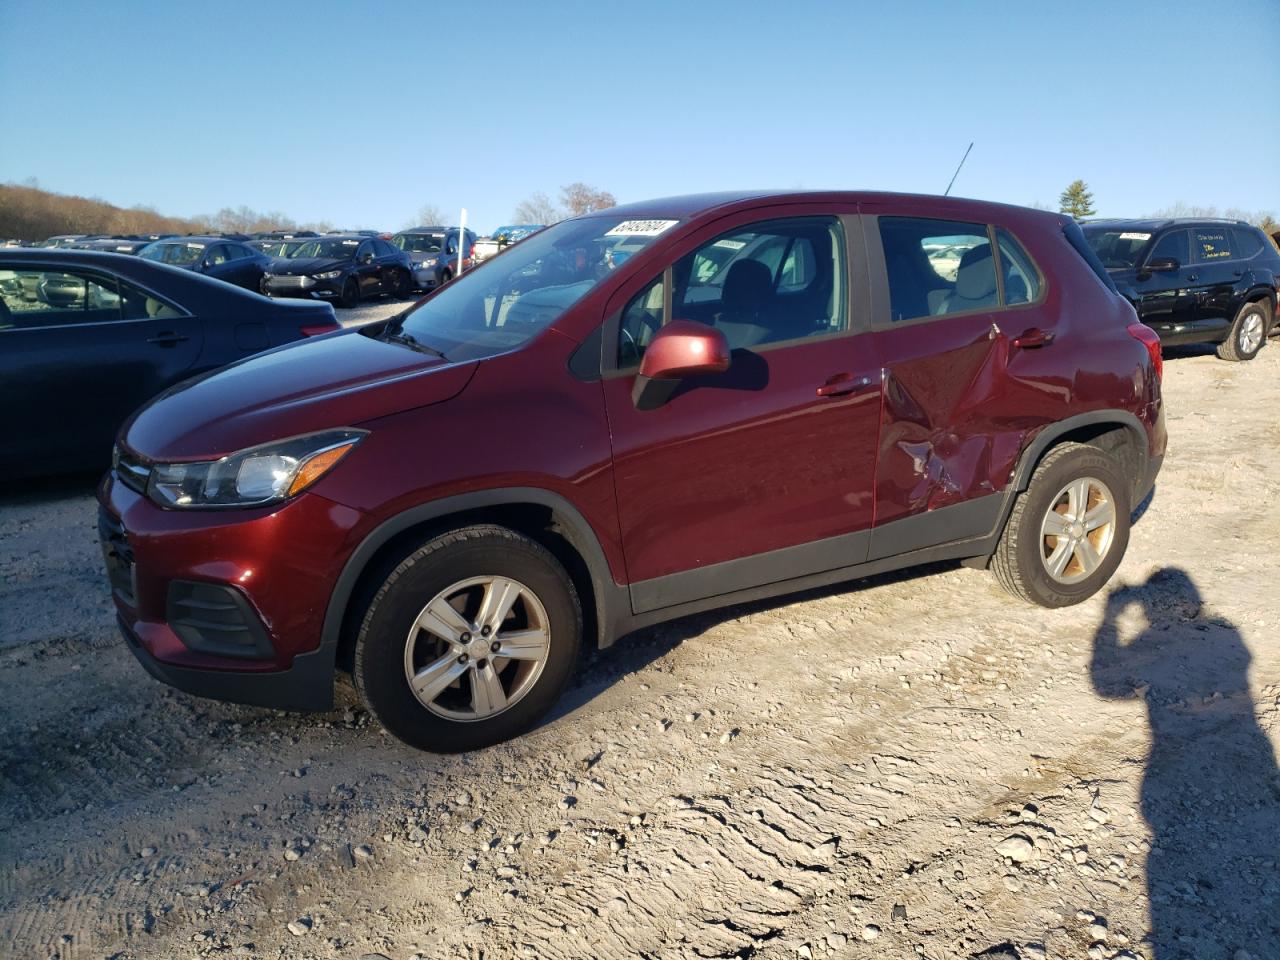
{"points": [[33, 298], [1211, 244], [937, 267]]}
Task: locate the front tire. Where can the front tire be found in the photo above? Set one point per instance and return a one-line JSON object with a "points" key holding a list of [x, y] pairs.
{"points": [[403, 286], [1068, 531], [1247, 334], [350, 294], [470, 640]]}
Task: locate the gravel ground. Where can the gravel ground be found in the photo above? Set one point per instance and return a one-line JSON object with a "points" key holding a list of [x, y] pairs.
{"points": [[913, 765]]}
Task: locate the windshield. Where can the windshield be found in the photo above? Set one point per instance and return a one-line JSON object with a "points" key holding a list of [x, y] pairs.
{"points": [[328, 249], [1117, 249], [418, 242], [177, 253], [504, 303]]}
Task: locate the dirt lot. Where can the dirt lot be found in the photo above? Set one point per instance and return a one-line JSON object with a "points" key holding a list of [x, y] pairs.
{"points": [[913, 765]]}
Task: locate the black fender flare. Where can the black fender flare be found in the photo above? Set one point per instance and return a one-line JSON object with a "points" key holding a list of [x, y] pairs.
{"points": [[570, 522]]}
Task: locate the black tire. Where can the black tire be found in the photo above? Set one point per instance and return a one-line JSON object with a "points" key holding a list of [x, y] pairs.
{"points": [[379, 668], [350, 294], [1019, 562], [445, 277], [403, 284], [1247, 335]]}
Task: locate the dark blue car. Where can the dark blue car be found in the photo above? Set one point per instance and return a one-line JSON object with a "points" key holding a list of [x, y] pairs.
{"points": [[231, 260]]}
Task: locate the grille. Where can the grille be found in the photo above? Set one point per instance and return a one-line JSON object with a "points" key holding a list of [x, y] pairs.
{"points": [[295, 282]]}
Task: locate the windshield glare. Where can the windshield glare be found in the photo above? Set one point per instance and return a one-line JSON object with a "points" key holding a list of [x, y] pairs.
{"points": [[328, 249], [506, 301], [1117, 249], [418, 242], [176, 253]]}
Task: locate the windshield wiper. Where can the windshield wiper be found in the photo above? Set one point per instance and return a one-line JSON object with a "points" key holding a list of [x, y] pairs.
{"points": [[413, 343]]}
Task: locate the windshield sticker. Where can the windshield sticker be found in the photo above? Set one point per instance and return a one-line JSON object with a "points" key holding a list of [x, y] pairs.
{"points": [[730, 244], [1135, 236], [641, 228]]}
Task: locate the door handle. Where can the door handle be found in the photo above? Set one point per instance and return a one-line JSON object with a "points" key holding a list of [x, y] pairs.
{"points": [[843, 383], [1035, 337], [1192, 277], [167, 339], [1237, 273]]}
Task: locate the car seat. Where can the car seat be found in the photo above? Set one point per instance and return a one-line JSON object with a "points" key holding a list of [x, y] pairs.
{"points": [[975, 282], [745, 300]]}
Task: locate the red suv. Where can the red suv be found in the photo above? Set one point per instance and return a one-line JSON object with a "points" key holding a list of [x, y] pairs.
{"points": [[629, 417]]}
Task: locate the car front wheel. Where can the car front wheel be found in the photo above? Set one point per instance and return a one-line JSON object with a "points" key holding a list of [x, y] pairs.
{"points": [[350, 294], [1068, 530], [470, 640]]}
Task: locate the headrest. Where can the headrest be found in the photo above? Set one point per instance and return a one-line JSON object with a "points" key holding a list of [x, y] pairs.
{"points": [[976, 278]]}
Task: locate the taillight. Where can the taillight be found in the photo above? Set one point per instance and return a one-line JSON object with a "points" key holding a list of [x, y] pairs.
{"points": [[473, 251], [316, 330], [1149, 339]]}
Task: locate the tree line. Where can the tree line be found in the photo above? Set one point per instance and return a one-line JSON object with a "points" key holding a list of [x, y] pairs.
{"points": [[30, 213], [1077, 201]]}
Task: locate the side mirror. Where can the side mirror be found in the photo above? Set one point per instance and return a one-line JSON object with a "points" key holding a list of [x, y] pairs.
{"points": [[366, 258], [679, 350], [1161, 265]]}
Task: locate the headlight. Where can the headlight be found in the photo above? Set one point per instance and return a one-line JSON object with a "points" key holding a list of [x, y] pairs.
{"points": [[260, 475], [328, 275]]}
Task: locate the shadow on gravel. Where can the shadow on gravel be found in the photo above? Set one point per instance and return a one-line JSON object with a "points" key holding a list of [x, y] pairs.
{"points": [[602, 669], [1211, 790]]}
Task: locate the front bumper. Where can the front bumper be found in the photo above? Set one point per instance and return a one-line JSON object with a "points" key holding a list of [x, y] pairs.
{"points": [[425, 278], [306, 287], [229, 604]]}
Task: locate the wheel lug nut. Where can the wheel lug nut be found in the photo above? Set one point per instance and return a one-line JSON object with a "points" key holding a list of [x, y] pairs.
{"points": [[495, 646], [485, 631], [463, 659], [465, 638]]}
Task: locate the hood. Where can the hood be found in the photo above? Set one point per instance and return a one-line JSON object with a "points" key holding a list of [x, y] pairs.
{"points": [[340, 380], [285, 267]]}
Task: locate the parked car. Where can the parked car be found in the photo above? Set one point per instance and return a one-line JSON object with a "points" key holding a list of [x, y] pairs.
{"points": [[104, 332], [278, 249], [1195, 281], [434, 253], [130, 245], [63, 239], [448, 502], [504, 237], [232, 261], [344, 269]]}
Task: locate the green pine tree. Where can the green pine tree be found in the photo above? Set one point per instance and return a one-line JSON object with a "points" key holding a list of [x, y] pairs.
{"points": [[1077, 201]]}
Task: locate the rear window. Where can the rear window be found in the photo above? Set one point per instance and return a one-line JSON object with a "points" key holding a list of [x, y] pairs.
{"points": [[1210, 244], [1075, 237]]}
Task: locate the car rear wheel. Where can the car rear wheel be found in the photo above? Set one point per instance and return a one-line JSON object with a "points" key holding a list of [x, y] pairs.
{"points": [[350, 294], [1247, 334], [470, 640], [1068, 531]]}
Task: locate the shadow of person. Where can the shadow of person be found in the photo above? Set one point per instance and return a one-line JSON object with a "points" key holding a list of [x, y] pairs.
{"points": [[1211, 790]]}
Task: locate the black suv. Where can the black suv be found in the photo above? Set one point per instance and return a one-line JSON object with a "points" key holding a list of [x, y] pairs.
{"points": [[1194, 281], [342, 269]]}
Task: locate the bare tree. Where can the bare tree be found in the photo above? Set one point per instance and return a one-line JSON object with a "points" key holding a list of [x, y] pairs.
{"points": [[580, 198], [538, 208], [429, 215]]}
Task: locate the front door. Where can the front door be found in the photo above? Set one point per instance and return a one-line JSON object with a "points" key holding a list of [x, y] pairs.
{"points": [[1219, 278], [761, 474]]}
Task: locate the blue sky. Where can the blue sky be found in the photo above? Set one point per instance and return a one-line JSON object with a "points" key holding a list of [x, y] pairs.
{"points": [[361, 113]]}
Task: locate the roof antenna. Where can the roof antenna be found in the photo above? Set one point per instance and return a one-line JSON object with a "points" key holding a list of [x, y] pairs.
{"points": [[957, 173]]}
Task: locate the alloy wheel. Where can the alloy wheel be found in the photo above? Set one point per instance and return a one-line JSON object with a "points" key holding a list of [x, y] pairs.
{"points": [[1250, 338], [1077, 530], [477, 648]]}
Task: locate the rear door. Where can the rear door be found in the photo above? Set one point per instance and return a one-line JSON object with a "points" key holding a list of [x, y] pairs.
{"points": [[76, 361], [1217, 279], [952, 296], [763, 473]]}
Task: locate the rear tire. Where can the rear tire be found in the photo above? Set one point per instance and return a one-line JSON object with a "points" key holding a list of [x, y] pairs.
{"points": [[1247, 335], [1080, 486], [428, 656], [403, 284], [350, 294]]}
